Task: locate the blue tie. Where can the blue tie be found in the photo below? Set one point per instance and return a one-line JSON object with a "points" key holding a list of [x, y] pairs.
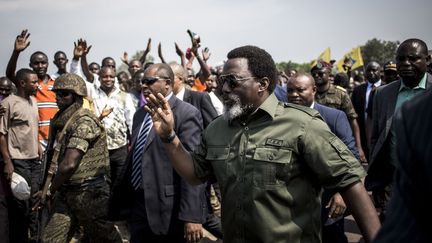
{"points": [[138, 151]]}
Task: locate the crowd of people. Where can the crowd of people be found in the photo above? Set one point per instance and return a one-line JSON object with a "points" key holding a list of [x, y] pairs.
{"points": [[243, 151]]}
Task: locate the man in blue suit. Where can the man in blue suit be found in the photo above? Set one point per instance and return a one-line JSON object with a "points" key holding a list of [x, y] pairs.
{"points": [[301, 90], [165, 208]]}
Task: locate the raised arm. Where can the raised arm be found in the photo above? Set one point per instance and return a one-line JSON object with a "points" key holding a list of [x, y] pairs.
{"points": [[163, 123], [181, 54], [160, 53], [21, 43], [125, 58], [146, 52], [205, 70], [84, 50]]}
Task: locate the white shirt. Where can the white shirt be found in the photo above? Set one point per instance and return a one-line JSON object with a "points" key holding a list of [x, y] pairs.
{"points": [[180, 94], [369, 88], [217, 103], [119, 121]]}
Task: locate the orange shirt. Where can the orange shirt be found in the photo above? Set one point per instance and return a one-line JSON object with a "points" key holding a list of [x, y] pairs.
{"points": [[47, 106], [198, 86]]}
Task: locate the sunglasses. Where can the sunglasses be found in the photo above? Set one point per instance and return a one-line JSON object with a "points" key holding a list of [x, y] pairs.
{"points": [[62, 93], [151, 80], [231, 79]]}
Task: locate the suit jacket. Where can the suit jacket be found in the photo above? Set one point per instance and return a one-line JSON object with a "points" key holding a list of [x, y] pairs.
{"points": [[167, 196], [380, 171], [409, 214], [339, 125], [203, 103], [358, 99]]}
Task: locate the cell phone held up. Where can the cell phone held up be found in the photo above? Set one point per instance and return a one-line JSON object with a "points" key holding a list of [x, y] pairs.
{"points": [[195, 38]]}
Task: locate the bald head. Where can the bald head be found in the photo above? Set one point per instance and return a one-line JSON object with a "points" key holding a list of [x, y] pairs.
{"points": [[373, 72], [180, 76], [412, 59], [5, 87], [301, 89]]}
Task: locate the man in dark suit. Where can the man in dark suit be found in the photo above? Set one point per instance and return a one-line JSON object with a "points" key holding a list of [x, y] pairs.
{"points": [[411, 60], [301, 90], [360, 100], [165, 207], [201, 100], [409, 213]]}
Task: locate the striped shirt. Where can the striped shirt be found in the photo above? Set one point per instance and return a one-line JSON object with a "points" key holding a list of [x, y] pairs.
{"points": [[47, 106]]}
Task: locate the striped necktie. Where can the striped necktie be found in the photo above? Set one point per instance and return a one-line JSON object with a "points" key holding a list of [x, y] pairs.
{"points": [[138, 151]]}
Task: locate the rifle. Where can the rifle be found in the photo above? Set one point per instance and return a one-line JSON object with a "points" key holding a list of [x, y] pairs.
{"points": [[39, 207]]}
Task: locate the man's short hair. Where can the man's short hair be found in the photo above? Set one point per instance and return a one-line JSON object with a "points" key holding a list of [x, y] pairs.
{"points": [[260, 63], [37, 53], [164, 70], [179, 70], [421, 43], [23, 73], [58, 53], [106, 59], [5, 79]]}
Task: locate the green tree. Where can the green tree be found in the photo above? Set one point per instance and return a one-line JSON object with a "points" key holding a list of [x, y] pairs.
{"points": [[379, 50], [284, 66]]}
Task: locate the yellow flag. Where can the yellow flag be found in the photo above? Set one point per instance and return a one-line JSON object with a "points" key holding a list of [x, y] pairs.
{"points": [[354, 56], [325, 56]]}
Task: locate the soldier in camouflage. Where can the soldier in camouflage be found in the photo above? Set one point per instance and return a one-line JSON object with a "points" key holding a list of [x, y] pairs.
{"points": [[336, 97], [79, 191]]}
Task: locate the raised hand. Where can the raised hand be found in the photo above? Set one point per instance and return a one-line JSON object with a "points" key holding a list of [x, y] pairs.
{"points": [[160, 53], [148, 48], [206, 54], [21, 42], [161, 114], [125, 58], [178, 50]]}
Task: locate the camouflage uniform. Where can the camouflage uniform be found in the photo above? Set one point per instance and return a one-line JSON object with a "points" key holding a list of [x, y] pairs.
{"points": [[83, 199], [337, 97]]}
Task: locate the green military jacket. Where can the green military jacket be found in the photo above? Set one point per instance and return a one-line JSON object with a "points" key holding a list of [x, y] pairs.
{"points": [[87, 134], [336, 97], [271, 170]]}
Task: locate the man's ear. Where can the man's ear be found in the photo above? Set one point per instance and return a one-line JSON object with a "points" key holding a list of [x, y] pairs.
{"points": [[264, 84]]}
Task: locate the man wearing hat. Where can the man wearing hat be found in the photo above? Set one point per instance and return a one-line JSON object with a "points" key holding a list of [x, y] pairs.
{"points": [[390, 72], [79, 158], [336, 97], [19, 147]]}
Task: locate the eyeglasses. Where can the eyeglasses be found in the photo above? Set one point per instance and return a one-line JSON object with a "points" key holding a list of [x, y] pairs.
{"points": [[62, 93], [231, 79], [151, 80]]}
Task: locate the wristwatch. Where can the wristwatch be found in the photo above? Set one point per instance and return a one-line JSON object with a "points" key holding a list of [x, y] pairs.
{"points": [[170, 138]]}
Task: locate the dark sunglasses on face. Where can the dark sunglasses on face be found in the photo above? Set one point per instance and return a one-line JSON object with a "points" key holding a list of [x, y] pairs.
{"points": [[62, 93], [231, 79], [151, 80]]}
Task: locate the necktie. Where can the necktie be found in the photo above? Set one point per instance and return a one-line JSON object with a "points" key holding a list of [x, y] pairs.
{"points": [[138, 151]]}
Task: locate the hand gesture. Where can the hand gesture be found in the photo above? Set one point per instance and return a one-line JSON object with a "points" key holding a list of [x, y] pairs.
{"points": [[178, 50], [161, 114], [206, 54], [125, 58], [80, 48], [21, 42], [193, 232], [105, 112], [337, 206]]}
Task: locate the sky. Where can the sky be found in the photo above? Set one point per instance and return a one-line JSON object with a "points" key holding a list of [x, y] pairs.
{"points": [[289, 30]]}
